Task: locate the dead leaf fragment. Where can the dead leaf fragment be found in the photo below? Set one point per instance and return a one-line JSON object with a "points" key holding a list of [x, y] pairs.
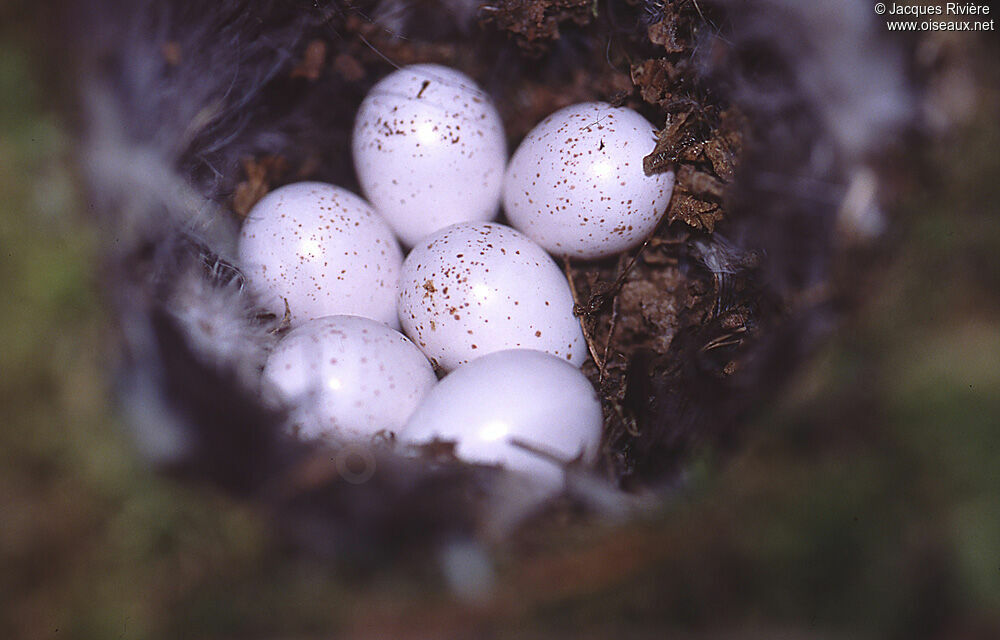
{"points": [[348, 67], [664, 33], [696, 213], [533, 22], [260, 174], [311, 65], [655, 79]]}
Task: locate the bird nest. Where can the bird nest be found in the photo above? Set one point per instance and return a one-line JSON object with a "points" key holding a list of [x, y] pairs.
{"points": [[769, 117]]}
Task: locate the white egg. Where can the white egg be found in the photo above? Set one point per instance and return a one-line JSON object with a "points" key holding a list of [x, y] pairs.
{"points": [[576, 184], [348, 377], [429, 150], [475, 288], [324, 250], [524, 395]]}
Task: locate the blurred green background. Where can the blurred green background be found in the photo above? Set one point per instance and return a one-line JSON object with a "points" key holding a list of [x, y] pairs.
{"points": [[866, 504]]}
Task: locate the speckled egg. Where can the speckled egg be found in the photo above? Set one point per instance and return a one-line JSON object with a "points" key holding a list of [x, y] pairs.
{"points": [[429, 150], [348, 377], [576, 184], [324, 250], [528, 396], [475, 288]]}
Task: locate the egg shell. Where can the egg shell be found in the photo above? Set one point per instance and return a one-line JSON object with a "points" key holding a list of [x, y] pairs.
{"points": [[324, 250], [536, 398], [475, 288], [576, 184], [348, 377], [429, 150]]}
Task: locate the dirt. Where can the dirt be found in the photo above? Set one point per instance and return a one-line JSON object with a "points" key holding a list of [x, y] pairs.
{"points": [[535, 23]]}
